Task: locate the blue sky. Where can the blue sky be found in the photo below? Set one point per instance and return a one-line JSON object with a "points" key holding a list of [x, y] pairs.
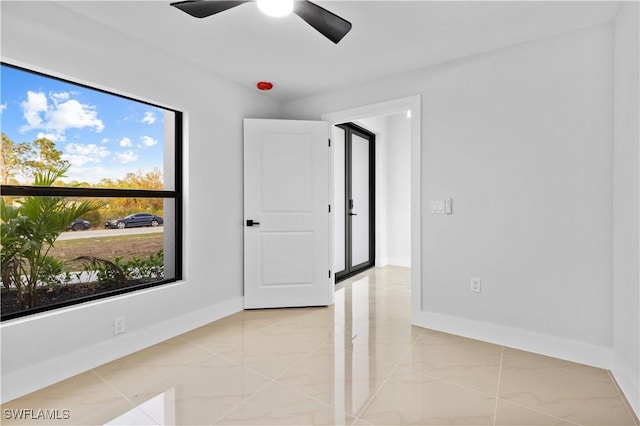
{"points": [[101, 135]]}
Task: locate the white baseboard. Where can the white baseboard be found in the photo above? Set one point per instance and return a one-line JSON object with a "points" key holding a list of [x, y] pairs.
{"points": [[399, 261], [47, 373], [570, 350], [628, 382], [381, 262]]}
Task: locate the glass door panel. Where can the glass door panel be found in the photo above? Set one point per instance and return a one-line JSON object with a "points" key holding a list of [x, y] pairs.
{"points": [[359, 211], [354, 198]]}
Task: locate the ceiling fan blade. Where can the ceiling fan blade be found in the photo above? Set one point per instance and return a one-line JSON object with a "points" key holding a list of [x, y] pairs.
{"points": [[328, 24], [204, 8]]}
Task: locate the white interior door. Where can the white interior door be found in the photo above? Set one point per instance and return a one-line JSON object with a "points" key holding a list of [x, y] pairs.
{"points": [[339, 196], [286, 217]]}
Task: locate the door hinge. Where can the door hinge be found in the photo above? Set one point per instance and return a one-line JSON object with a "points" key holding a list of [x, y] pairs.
{"points": [[329, 273], [329, 208], [329, 141]]}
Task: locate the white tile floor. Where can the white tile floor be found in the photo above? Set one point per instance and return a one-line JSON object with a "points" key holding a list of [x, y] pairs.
{"points": [[358, 362]]}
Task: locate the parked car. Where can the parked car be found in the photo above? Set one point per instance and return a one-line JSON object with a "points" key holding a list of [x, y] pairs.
{"points": [[133, 220], [79, 225]]}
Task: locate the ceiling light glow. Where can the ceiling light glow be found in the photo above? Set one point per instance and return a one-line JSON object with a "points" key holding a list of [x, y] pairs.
{"points": [[275, 8]]}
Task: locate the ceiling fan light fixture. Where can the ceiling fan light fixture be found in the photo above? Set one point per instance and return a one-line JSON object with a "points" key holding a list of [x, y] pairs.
{"points": [[275, 8]]}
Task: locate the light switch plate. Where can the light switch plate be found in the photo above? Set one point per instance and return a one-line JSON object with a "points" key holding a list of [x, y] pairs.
{"points": [[437, 207], [447, 206]]}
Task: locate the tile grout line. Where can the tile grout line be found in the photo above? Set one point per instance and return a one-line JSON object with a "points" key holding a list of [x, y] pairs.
{"points": [[543, 413], [168, 375], [239, 404], [626, 402], [560, 367], [275, 381], [300, 361], [580, 374], [269, 382], [175, 373], [310, 397], [520, 405], [365, 406], [111, 386], [126, 398], [495, 411], [448, 382]]}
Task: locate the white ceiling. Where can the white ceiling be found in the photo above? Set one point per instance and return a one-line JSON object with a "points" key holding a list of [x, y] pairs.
{"points": [[388, 37]]}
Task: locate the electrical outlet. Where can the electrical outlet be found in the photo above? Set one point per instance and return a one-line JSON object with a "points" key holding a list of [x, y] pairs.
{"points": [[118, 325], [476, 285]]}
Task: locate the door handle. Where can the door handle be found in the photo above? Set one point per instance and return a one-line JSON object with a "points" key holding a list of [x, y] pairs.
{"points": [[353, 214], [250, 222]]}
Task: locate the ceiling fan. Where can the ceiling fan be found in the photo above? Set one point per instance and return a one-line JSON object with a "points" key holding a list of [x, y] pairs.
{"points": [[327, 23]]}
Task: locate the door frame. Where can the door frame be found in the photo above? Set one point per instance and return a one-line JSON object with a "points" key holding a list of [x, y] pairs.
{"points": [[350, 270], [413, 104]]}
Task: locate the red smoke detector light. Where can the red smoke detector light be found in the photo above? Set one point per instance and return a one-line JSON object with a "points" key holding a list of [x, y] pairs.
{"points": [[264, 85]]}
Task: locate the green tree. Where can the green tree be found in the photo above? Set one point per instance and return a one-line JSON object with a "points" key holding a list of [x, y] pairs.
{"points": [[43, 156], [148, 181], [29, 230], [105, 183], [11, 159]]}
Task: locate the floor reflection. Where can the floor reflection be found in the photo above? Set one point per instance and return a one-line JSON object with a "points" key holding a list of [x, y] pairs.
{"points": [[359, 362], [158, 410], [360, 339]]}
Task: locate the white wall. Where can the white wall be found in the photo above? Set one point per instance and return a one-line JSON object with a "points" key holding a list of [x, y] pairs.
{"points": [[626, 208], [42, 349], [378, 126], [398, 160], [521, 139], [393, 187]]}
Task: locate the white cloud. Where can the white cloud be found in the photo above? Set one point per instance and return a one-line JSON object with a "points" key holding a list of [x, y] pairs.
{"points": [[73, 114], [59, 115], [125, 157], [35, 104], [59, 96], [2, 107], [125, 142], [79, 160], [90, 149], [149, 118], [148, 141], [54, 137], [86, 174], [79, 154], [105, 140]]}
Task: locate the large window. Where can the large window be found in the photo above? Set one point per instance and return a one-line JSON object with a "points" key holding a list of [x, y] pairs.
{"points": [[91, 193]]}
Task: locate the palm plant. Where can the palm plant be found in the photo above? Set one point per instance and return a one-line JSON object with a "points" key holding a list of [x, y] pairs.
{"points": [[29, 230]]}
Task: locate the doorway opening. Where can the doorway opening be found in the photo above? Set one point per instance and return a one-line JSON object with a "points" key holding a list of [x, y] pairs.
{"points": [[401, 224], [354, 169]]}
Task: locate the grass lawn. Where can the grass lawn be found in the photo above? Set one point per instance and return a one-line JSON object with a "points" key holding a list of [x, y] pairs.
{"points": [[127, 246]]}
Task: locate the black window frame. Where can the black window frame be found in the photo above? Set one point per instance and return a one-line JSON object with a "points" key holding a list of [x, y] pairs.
{"points": [[176, 194]]}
